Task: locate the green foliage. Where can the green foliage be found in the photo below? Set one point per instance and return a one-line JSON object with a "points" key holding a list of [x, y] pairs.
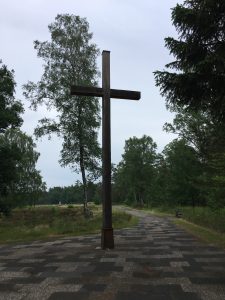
{"points": [[171, 178], [123, 219], [45, 222], [216, 179], [135, 174], [9, 157], [195, 90], [69, 59], [204, 234], [10, 109], [183, 172], [201, 215], [206, 136], [198, 80], [68, 195], [196, 129], [29, 179], [70, 206], [18, 176]]}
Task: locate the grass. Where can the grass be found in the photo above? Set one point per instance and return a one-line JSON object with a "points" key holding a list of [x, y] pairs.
{"points": [[203, 216], [202, 222], [204, 234], [52, 221]]}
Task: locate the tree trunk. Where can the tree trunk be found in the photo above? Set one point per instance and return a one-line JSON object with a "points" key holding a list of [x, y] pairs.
{"points": [[83, 178], [135, 198], [82, 168], [141, 202]]}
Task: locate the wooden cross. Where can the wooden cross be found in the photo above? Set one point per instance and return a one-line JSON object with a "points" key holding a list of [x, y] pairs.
{"points": [[107, 239]]}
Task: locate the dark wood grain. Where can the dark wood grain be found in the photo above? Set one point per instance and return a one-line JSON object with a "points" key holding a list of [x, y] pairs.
{"points": [[107, 238], [98, 92]]}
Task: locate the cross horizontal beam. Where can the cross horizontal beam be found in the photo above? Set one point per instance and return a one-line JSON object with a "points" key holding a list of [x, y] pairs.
{"points": [[98, 92]]}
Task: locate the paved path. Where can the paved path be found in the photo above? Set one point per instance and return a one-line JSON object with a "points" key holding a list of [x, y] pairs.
{"points": [[154, 260]]}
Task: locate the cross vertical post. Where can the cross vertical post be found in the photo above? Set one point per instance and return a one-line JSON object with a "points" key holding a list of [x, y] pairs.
{"points": [[107, 240]]}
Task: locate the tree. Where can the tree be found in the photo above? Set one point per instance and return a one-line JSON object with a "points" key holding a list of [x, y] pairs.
{"points": [[29, 179], [183, 172], [9, 157], [10, 109], [69, 59], [207, 138], [196, 129], [134, 175], [198, 80], [26, 180], [67, 195], [10, 117]]}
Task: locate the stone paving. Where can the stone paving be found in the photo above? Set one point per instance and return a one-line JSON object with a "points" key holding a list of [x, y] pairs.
{"points": [[155, 260]]}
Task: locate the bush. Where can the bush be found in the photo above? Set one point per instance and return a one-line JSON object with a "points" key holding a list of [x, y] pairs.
{"points": [[70, 206], [6, 206]]}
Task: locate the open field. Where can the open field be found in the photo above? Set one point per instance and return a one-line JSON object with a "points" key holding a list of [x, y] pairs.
{"points": [[51, 221]]}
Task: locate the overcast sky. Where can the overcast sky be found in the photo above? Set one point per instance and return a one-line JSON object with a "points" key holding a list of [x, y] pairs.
{"points": [[132, 30]]}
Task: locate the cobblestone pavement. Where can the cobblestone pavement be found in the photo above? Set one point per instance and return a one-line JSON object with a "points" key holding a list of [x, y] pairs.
{"points": [[154, 260]]}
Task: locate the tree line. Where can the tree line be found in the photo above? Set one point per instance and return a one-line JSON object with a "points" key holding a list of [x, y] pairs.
{"points": [[193, 85], [70, 58], [71, 194], [20, 181], [178, 176], [190, 169]]}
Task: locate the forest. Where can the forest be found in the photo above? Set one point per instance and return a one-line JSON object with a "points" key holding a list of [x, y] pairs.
{"points": [[190, 171]]}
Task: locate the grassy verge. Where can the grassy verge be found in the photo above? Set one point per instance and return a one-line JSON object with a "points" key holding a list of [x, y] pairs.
{"points": [[52, 221], [203, 216], [204, 234], [202, 222]]}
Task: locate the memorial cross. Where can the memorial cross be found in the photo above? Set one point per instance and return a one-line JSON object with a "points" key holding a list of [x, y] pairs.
{"points": [[107, 238]]}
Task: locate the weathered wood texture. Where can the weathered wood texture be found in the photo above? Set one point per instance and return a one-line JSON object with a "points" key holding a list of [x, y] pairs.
{"points": [[98, 92], [106, 93]]}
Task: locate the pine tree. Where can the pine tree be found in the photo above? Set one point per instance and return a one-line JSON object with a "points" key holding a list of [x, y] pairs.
{"points": [[198, 78]]}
